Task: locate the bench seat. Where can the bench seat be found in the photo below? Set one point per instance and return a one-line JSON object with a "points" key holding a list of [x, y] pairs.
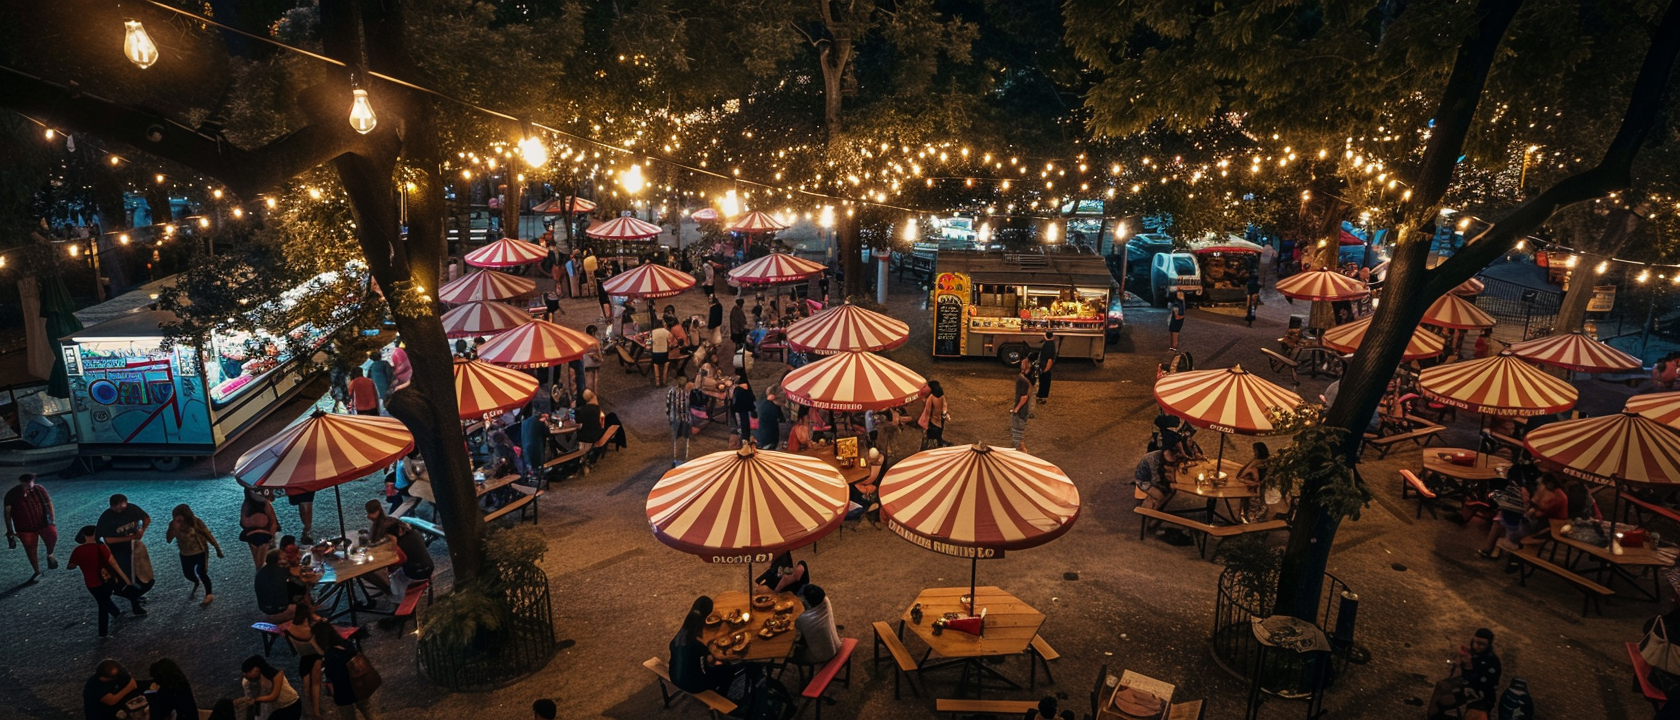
{"points": [[1202, 530], [718, 705], [1591, 592]]}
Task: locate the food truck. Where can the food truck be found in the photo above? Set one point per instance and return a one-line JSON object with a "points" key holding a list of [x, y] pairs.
{"points": [[997, 304], [1225, 264]]}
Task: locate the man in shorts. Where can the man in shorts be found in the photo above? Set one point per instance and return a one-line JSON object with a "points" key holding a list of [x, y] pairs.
{"points": [[682, 423], [1175, 319], [305, 504], [29, 517], [1018, 412]]}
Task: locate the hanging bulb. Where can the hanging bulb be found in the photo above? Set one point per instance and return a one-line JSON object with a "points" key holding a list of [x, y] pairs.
{"points": [[361, 112], [1050, 233], [1603, 265], [910, 231], [138, 46], [534, 151], [632, 179], [826, 217]]}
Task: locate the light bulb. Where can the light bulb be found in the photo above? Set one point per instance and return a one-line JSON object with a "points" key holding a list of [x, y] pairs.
{"points": [[534, 151], [50, 133], [910, 230], [361, 112], [731, 206], [1603, 265], [632, 179], [826, 218], [1050, 233], [123, 238], [138, 46], [75, 250]]}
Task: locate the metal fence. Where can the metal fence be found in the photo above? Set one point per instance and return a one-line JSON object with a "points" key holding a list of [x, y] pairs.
{"points": [[1644, 318], [1234, 644], [521, 643], [1515, 306]]}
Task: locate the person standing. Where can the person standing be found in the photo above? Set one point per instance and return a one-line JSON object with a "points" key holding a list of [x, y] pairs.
{"points": [[345, 668], [258, 525], [194, 540], [682, 423], [364, 395], [738, 322], [933, 416], [602, 297], [379, 370], [709, 283], [304, 501], [121, 528], [29, 517], [100, 573], [401, 369], [659, 346], [1046, 361], [742, 404], [1253, 295], [533, 440], [1175, 319], [769, 433], [267, 685], [1018, 413], [714, 320]]}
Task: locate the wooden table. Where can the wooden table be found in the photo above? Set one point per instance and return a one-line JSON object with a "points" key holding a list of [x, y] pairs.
{"points": [[1608, 565], [771, 648], [1487, 467], [484, 488], [852, 474], [1106, 710], [1184, 481], [1010, 627], [343, 577]]}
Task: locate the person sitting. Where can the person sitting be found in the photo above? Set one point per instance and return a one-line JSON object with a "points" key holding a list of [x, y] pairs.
{"points": [[1269, 502], [590, 420], [816, 639], [291, 556], [693, 669], [277, 591], [1151, 476], [783, 575], [1474, 679], [506, 456], [799, 436], [1048, 709], [865, 494], [1548, 502]]}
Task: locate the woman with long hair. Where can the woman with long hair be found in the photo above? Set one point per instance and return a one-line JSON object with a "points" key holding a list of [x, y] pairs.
{"points": [[301, 634], [267, 685], [933, 416], [257, 524], [194, 540], [336, 663], [173, 698]]}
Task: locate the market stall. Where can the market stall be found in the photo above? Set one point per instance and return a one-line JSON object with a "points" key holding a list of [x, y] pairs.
{"points": [[994, 304], [1226, 265]]}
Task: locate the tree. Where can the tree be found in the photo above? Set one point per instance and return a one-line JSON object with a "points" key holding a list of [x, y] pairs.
{"points": [[1415, 88]]}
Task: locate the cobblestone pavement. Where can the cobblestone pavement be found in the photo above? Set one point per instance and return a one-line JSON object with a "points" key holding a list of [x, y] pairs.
{"points": [[619, 594]]}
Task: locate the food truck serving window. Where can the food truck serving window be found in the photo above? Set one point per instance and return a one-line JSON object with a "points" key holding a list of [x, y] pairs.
{"points": [[234, 361]]}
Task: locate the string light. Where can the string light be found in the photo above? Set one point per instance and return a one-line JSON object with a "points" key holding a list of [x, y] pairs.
{"points": [[534, 150], [137, 45], [361, 112], [631, 180]]}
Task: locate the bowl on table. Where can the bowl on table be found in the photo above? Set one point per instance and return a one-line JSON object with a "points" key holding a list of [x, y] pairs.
{"points": [[761, 602]]}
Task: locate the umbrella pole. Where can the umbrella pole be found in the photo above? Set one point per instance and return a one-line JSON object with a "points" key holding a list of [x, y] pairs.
{"points": [[338, 500], [973, 569], [1219, 460], [749, 580]]}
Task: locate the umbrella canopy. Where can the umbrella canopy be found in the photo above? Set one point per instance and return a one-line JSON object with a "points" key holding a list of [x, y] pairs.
{"points": [[556, 205], [324, 451], [624, 228], [705, 215], [1624, 446], [1661, 407], [506, 252], [1469, 287], [538, 343], [1501, 385], [60, 313], [1229, 400], [967, 498], [1322, 284], [853, 381], [1452, 311], [482, 389], [648, 280], [756, 221], [1575, 351], [736, 505], [775, 268], [1348, 337], [483, 318], [847, 327], [485, 285]]}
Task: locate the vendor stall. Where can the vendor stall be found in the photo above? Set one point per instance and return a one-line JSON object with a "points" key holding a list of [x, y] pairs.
{"points": [[996, 304], [1225, 268]]}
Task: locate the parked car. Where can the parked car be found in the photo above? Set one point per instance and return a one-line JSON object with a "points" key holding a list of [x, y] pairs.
{"points": [[1172, 272]]}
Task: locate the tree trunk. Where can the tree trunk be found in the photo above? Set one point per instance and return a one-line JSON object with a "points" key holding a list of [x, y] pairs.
{"points": [[510, 205], [1572, 312]]}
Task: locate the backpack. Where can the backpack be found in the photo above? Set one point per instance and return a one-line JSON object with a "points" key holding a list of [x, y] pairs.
{"points": [[770, 700]]}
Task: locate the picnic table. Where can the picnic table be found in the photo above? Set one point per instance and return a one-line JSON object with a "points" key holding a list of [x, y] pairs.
{"points": [[1010, 626], [1631, 565], [1195, 478], [825, 453], [777, 647], [1439, 461], [1162, 690], [345, 575]]}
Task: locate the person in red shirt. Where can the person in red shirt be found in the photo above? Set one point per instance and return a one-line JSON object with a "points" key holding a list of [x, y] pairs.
{"points": [[29, 517], [96, 563], [364, 397], [1548, 502]]}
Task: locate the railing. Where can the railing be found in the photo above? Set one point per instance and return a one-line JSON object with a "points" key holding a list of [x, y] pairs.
{"points": [[1235, 648], [521, 644], [1533, 310]]}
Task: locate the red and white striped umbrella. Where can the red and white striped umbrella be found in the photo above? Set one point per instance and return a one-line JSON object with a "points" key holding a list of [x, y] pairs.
{"points": [[1348, 337], [1575, 351], [1661, 407], [966, 498], [648, 280], [853, 382], [538, 343], [746, 505], [483, 389], [323, 451], [1322, 284], [847, 327], [757, 221], [1228, 400], [705, 215], [1624, 446], [485, 285], [1469, 287], [1452, 311], [624, 228], [556, 206], [775, 268], [483, 318], [506, 252], [1500, 385]]}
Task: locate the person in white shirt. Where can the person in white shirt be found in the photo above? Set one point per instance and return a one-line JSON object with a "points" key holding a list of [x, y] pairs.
{"points": [[818, 639], [659, 342]]}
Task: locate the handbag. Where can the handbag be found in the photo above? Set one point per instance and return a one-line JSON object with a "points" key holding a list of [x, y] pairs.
{"points": [[1658, 651], [363, 678]]}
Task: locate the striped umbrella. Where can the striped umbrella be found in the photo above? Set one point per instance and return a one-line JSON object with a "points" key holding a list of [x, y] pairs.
{"points": [[1229, 400], [977, 501], [705, 215], [483, 318], [485, 285], [1661, 407], [1348, 337], [847, 327], [747, 505], [1452, 311], [506, 252], [536, 344], [324, 451], [1322, 284], [1624, 446], [648, 280], [557, 205], [773, 269], [756, 221], [1575, 351], [624, 228], [852, 382], [1471, 287], [1500, 385], [482, 389]]}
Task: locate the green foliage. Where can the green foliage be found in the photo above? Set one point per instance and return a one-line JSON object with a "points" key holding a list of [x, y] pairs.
{"points": [[1316, 467], [1254, 562], [471, 610]]}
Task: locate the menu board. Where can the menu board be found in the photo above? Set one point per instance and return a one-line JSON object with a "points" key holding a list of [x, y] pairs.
{"points": [[948, 326]]}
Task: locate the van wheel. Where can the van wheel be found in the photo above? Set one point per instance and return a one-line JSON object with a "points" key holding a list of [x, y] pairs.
{"points": [[1012, 354], [166, 464]]}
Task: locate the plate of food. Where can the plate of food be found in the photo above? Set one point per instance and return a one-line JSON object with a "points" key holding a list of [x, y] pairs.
{"points": [[763, 601], [734, 617], [741, 643], [784, 606], [714, 619]]}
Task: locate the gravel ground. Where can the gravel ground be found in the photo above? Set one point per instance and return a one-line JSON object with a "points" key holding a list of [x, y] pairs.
{"points": [[618, 594]]}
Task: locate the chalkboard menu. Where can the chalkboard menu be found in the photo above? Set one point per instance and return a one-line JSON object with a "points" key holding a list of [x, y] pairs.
{"points": [[947, 326]]}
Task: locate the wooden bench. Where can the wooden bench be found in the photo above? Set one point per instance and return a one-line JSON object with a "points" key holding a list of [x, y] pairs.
{"points": [[1591, 592], [1003, 708], [718, 705], [632, 364], [1039, 652], [1385, 443], [411, 602], [527, 496], [270, 632], [1661, 511], [1191, 710], [582, 453], [1281, 362], [905, 664], [1493, 443], [828, 674], [428, 529], [1202, 530], [406, 507], [1641, 670], [1410, 484]]}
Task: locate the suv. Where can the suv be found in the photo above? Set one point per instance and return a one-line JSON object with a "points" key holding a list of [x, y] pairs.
{"points": [[1171, 272]]}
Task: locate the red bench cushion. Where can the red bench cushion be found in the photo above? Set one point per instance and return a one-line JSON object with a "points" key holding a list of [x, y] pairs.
{"points": [[820, 681]]}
